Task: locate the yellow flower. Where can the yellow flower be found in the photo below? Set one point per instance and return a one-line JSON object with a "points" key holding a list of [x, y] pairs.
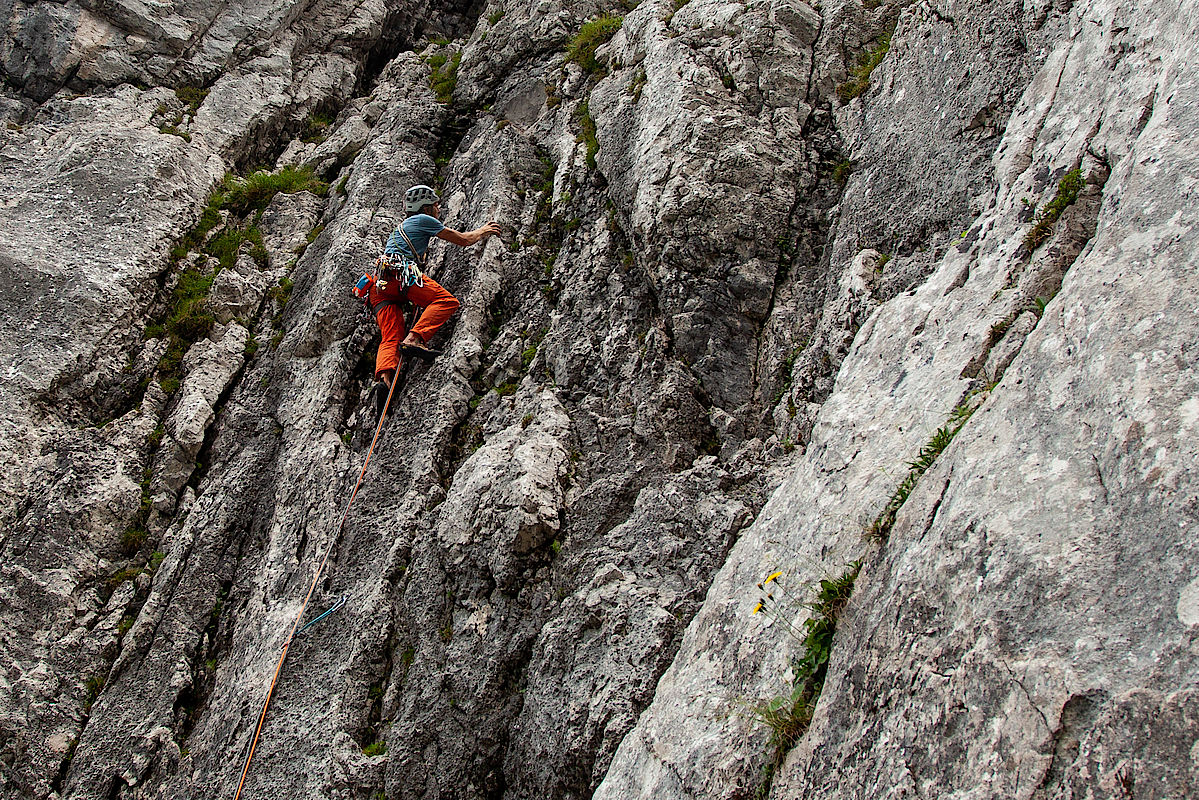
{"points": [[758, 607], [773, 577]]}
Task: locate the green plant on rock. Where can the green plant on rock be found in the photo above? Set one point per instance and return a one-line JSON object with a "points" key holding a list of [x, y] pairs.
{"points": [[91, 690], [191, 97], [881, 527], [227, 244], [842, 171], [255, 191], [1067, 193], [788, 715], [175, 131], [786, 370], [443, 78], [376, 749], [132, 540], [640, 78], [282, 292], [859, 76], [589, 136], [123, 575], [581, 49], [209, 219], [317, 126]]}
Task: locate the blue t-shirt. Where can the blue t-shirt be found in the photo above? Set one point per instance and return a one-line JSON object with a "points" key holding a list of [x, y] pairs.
{"points": [[420, 228]]}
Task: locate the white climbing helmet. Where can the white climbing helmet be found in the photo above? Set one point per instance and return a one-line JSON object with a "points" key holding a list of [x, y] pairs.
{"points": [[418, 197]]}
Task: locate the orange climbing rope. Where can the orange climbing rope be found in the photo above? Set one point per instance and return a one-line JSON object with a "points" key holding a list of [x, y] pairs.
{"points": [[316, 579]]}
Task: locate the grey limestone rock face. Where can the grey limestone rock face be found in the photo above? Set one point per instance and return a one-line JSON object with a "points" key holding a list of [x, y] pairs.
{"points": [[1026, 598], [731, 307]]}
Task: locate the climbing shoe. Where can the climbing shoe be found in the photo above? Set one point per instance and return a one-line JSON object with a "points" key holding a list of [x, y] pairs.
{"points": [[419, 351]]}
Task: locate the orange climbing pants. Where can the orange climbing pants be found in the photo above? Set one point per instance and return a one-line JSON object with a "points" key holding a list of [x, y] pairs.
{"points": [[438, 304]]}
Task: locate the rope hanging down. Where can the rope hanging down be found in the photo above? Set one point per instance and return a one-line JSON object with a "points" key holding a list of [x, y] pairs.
{"points": [[315, 580]]}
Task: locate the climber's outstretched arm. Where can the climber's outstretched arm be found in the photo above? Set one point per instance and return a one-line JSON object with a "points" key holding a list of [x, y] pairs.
{"points": [[471, 237]]}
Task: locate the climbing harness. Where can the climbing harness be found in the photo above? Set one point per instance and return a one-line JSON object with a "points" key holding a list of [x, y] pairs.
{"points": [[409, 273], [395, 380]]}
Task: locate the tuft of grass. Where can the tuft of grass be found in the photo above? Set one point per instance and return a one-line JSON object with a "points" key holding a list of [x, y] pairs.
{"points": [[526, 358], [281, 293], [190, 319], [638, 84], [126, 574], [226, 245], [1067, 193], [256, 190], [443, 78], [191, 97], [91, 690], [842, 171], [587, 124], [317, 127], [881, 527], [132, 540], [209, 219], [376, 749], [406, 659], [155, 437], [507, 389], [859, 76], [495, 16], [785, 372], [581, 49], [174, 131]]}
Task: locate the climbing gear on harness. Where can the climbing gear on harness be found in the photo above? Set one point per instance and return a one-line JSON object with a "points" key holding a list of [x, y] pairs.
{"points": [[408, 272], [418, 197], [315, 580]]}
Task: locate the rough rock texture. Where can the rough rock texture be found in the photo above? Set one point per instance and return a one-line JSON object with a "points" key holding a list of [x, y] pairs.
{"points": [[1024, 608], [727, 310]]}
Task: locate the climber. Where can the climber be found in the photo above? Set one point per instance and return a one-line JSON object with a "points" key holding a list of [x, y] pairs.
{"points": [[403, 277]]}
